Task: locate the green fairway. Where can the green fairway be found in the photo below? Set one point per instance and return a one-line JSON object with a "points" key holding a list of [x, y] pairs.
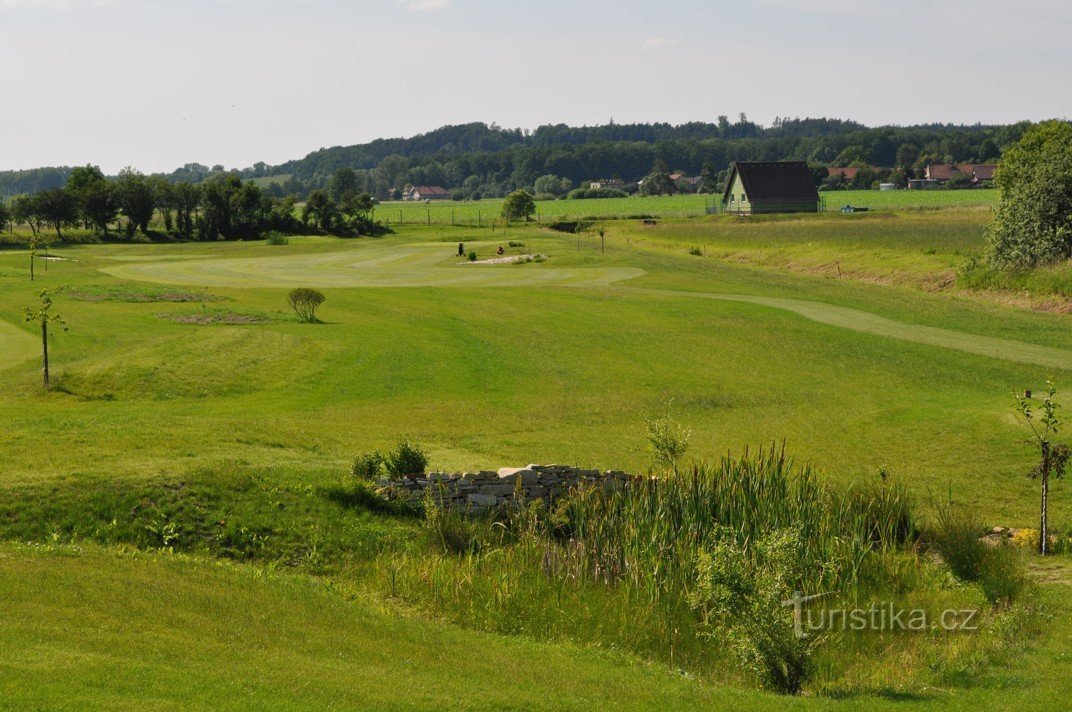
{"points": [[423, 265]]}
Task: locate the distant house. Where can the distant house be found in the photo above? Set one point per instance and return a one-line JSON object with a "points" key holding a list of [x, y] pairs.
{"points": [[921, 183], [688, 184], [426, 192], [944, 172], [609, 184], [848, 172], [770, 187]]}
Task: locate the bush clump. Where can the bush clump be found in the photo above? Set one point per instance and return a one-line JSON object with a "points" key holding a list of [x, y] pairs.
{"points": [[277, 238], [407, 459], [742, 593], [305, 302], [472, 256], [368, 466], [595, 193], [997, 570]]}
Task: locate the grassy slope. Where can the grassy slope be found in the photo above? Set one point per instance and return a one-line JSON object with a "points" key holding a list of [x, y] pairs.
{"points": [[86, 628]]}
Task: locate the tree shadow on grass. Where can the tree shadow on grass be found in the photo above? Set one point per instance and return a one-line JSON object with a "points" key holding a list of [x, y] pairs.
{"points": [[363, 498]]}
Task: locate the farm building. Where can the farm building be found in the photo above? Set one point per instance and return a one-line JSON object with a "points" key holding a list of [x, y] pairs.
{"points": [[426, 192], [770, 187], [944, 172]]}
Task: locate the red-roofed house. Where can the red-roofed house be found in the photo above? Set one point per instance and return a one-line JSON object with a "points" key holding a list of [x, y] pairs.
{"points": [[943, 172]]}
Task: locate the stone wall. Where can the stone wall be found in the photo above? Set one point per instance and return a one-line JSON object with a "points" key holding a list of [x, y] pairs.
{"points": [[481, 491]]}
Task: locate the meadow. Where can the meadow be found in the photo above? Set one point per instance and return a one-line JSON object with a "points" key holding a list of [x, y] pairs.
{"points": [[845, 336], [483, 212]]}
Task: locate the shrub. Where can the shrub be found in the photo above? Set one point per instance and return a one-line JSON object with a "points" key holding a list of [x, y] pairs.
{"points": [[957, 540], [696, 252], [368, 466], [668, 440], [472, 255], [407, 459], [277, 238], [595, 193], [450, 531], [515, 244], [997, 570], [304, 302], [1001, 574], [743, 595]]}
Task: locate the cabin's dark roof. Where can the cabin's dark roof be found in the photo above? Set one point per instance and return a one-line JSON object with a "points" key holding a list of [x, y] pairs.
{"points": [[775, 181]]}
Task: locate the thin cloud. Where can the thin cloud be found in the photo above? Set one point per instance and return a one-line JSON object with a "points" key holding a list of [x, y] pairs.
{"points": [[657, 42]]}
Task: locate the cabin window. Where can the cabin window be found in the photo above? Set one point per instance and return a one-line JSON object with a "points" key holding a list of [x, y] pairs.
{"points": [[743, 199]]}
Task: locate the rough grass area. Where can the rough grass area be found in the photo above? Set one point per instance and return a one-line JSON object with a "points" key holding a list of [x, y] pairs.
{"points": [[208, 316], [136, 293]]}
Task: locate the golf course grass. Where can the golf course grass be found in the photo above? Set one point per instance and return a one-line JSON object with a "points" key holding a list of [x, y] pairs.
{"points": [[845, 337]]}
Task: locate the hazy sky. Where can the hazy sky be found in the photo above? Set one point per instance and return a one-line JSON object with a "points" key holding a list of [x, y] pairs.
{"points": [[159, 83]]}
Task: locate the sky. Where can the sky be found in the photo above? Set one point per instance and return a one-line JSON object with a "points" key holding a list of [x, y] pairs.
{"points": [[156, 84]]}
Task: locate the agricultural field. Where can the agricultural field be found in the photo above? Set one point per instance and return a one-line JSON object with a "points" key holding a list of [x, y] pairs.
{"points": [[190, 469], [483, 212]]}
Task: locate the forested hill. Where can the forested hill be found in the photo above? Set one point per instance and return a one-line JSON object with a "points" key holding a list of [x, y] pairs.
{"points": [[478, 159]]}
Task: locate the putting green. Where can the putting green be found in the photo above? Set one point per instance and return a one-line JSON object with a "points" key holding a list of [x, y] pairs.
{"points": [[420, 265], [16, 345], [1006, 349]]}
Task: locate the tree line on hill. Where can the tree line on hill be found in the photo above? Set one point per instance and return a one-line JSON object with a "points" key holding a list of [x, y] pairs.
{"points": [[221, 207], [477, 161]]}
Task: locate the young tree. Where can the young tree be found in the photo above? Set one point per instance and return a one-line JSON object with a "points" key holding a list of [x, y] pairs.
{"points": [[5, 216], [1053, 458], [1032, 223], [519, 205], [305, 302], [42, 314]]}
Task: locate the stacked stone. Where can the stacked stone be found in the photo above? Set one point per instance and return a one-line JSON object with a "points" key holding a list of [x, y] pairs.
{"points": [[485, 490]]}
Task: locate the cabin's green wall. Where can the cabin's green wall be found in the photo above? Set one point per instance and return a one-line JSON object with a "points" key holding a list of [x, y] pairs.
{"points": [[737, 191]]}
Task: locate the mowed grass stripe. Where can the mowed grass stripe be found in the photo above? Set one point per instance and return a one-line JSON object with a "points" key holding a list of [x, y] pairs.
{"points": [[866, 322], [16, 345]]}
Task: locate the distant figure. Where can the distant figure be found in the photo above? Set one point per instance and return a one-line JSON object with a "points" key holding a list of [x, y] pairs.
{"points": [[500, 250], [461, 249]]}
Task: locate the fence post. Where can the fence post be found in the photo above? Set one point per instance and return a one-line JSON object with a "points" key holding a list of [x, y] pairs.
{"points": [[400, 220]]}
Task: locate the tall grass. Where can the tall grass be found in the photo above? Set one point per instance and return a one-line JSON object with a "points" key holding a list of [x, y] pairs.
{"points": [[617, 567]]}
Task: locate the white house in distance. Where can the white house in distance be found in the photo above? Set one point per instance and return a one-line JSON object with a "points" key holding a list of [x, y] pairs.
{"points": [[426, 192]]}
